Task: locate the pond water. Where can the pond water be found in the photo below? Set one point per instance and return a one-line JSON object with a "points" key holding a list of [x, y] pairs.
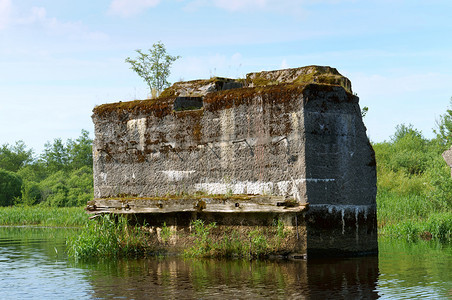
{"points": [[34, 265]]}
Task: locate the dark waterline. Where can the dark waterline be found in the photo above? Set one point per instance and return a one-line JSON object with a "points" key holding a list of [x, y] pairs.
{"points": [[33, 264]]}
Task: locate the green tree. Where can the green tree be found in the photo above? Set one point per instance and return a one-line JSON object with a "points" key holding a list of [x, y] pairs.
{"points": [[12, 158], [68, 188], [55, 156], [33, 172], [409, 151], [54, 189], [31, 193], [153, 67], [402, 131], [443, 129], [80, 151], [80, 187], [10, 187], [69, 156]]}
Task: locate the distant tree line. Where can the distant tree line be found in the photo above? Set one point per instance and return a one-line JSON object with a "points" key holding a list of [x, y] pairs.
{"points": [[61, 176]]}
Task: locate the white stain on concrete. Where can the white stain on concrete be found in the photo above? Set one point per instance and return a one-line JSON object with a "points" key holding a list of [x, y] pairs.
{"points": [[137, 129], [343, 221], [296, 191], [173, 175], [295, 121], [346, 207], [349, 209], [289, 187], [283, 187], [103, 176], [227, 122]]}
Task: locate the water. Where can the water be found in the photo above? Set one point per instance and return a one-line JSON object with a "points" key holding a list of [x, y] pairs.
{"points": [[33, 265]]}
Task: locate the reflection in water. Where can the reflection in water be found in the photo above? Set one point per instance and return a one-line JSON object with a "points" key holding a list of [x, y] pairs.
{"points": [[33, 265], [169, 278], [420, 270], [353, 278]]}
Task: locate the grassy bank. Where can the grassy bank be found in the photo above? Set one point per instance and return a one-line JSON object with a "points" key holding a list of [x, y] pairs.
{"points": [[414, 199], [43, 216], [408, 216], [412, 217]]}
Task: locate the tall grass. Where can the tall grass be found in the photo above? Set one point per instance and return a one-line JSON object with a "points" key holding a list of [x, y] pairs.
{"points": [[255, 243], [412, 216], [107, 237], [437, 226], [43, 216], [393, 207], [414, 205]]}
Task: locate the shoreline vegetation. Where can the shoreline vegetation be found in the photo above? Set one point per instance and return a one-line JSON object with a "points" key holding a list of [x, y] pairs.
{"points": [[43, 216], [406, 217], [112, 237]]}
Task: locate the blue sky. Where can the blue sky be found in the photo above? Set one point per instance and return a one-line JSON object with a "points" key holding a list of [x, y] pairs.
{"points": [[60, 58]]}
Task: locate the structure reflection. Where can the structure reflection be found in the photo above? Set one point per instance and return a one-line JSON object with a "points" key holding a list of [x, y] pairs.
{"points": [[178, 278]]}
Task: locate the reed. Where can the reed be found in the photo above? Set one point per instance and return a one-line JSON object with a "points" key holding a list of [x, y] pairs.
{"points": [[412, 217], [256, 243], [109, 237], [43, 216], [437, 226]]}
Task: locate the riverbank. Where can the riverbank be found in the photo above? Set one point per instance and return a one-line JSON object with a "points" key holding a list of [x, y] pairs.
{"points": [[407, 217], [43, 216], [412, 217]]}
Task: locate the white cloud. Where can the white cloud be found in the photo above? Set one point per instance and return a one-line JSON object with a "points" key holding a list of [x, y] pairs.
{"points": [[126, 8], [230, 5], [5, 11], [75, 30], [38, 14], [235, 5], [196, 67], [297, 8], [237, 57], [284, 64], [291, 7]]}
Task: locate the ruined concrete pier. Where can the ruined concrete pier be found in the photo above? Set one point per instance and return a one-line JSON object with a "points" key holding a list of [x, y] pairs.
{"points": [[287, 146]]}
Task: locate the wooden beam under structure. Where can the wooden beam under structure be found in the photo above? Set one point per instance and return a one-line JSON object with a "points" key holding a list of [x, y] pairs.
{"points": [[222, 204]]}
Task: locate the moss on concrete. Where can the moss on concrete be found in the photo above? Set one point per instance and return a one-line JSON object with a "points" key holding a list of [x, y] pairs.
{"points": [[282, 85]]}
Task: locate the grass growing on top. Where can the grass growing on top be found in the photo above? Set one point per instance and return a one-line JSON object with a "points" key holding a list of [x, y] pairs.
{"points": [[43, 216]]}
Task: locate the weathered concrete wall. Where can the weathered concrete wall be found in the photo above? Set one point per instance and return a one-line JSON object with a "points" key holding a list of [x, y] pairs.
{"points": [[240, 149], [294, 143], [342, 208]]}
